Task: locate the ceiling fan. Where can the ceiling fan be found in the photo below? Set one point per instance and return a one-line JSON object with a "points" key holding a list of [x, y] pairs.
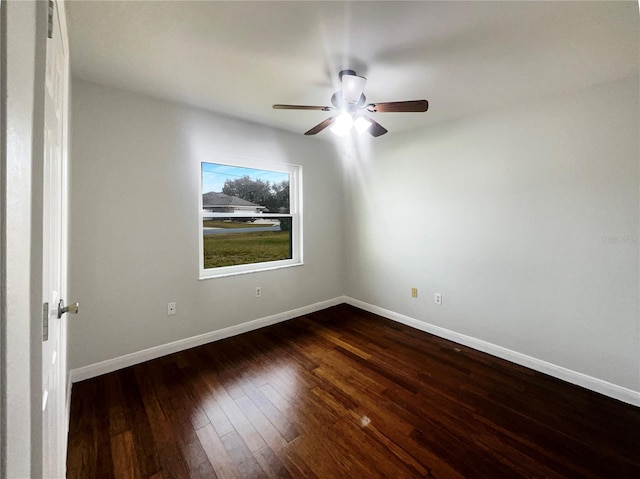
{"points": [[350, 102]]}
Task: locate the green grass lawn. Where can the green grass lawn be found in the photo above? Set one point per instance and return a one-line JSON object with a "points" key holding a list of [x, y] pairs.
{"points": [[231, 224], [245, 248]]}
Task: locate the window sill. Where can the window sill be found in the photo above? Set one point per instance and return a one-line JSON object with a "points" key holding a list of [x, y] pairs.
{"points": [[254, 270]]}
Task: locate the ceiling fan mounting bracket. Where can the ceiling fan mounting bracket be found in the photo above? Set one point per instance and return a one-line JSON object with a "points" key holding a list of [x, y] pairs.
{"points": [[346, 72]]}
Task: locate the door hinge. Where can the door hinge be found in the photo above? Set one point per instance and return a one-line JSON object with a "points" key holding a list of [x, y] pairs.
{"points": [[50, 20], [45, 322]]}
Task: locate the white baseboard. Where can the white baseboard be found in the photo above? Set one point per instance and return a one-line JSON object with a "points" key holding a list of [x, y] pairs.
{"points": [[598, 385], [110, 365]]}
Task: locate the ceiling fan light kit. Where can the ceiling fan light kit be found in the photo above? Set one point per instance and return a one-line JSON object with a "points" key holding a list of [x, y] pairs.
{"points": [[361, 124], [350, 101], [342, 124], [345, 122]]}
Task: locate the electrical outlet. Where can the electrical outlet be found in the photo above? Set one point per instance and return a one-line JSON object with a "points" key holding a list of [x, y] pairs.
{"points": [[438, 298], [171, 309], [414, 292], [258, 292]]}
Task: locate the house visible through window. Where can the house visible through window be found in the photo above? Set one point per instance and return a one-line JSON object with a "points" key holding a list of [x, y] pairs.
{"points": [[250, 217]]}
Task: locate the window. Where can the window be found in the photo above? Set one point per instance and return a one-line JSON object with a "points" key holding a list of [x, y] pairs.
{"points": [[250, 217]]}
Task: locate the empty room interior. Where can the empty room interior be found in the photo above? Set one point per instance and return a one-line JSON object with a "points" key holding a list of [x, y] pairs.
{"points": [[290, 239]]}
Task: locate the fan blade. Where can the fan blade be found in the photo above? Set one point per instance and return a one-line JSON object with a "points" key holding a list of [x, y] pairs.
{"points": [[399, 106], [321, 126], [302, 107], [376, 129]]}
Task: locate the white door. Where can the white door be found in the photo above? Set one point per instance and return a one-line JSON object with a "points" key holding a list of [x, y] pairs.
{"points": [[54, 250]]}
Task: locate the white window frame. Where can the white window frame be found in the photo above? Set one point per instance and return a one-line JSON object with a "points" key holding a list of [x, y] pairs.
{"points": [[295, 213]]}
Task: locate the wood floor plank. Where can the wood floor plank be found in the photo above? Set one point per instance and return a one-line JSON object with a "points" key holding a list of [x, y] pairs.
{"points": [[148, 463], [206, 395], [174, 466], [190, 447], [250, 436], [125, 462], [89, 440], [242, 456], [343, 393], [285, 427], [161, 427], [271, 464], [299, 467], [119, 416], [269, 433], [386, 457], [217, 454]]}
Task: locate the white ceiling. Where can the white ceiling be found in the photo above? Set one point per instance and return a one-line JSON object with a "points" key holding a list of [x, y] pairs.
{"points": [[239, 58]]}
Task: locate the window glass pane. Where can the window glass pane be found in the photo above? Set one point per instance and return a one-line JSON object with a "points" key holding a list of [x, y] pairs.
{"points": [[235, 189], [246, 216], [235, 241]]}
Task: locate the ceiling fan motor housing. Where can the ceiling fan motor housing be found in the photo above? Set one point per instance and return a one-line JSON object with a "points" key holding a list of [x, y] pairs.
{"points": [[338, 101]]}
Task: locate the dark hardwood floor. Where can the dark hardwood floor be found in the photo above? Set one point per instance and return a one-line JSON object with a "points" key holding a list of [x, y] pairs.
{"points": [[344, 394]]}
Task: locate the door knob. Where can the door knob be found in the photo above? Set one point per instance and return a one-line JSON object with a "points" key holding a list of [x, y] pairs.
{"points": [[72, 308]]}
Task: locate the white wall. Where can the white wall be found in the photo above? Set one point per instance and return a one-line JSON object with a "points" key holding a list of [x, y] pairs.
{"points": [[134, 224], [526, 220]]}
